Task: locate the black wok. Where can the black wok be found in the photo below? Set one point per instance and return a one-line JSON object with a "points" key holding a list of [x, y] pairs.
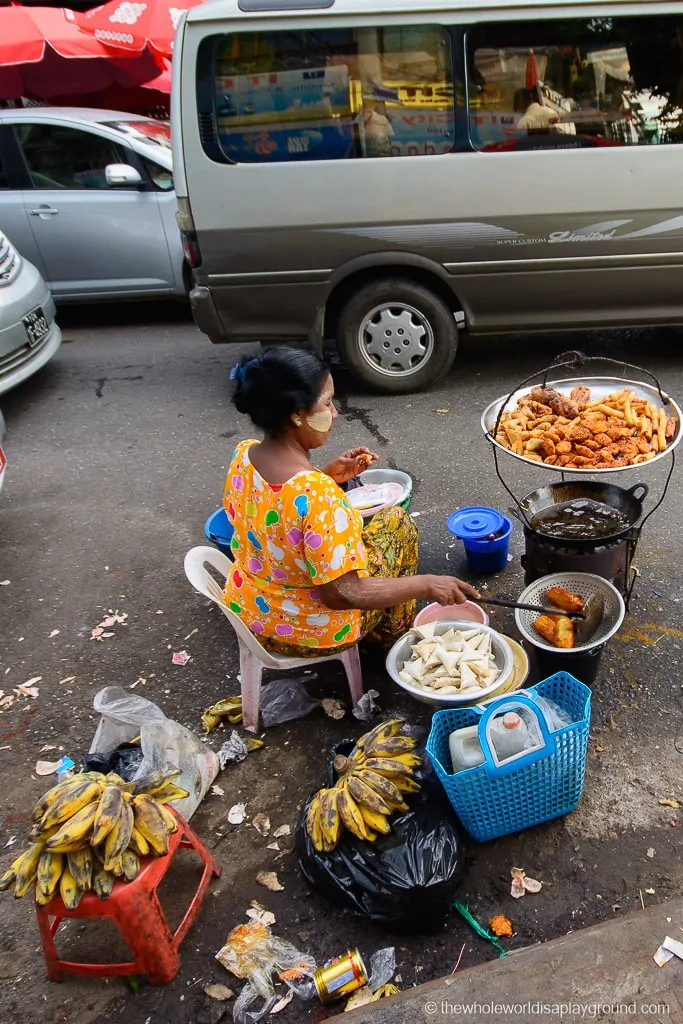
{"points": [[628, 502]]}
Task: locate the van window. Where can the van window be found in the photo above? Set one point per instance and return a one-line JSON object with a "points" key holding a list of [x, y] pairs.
{"points": [[574, 84], [333, 94]]}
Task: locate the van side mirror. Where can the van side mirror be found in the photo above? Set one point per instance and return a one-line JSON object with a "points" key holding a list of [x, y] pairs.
{"points": [[121, 174]]}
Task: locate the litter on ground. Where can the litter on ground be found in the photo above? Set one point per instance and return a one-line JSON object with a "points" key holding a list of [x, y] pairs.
{"points": [[237, 814], [270, 881]]}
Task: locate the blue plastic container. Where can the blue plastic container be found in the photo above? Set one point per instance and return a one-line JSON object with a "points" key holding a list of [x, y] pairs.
{"points": [[494, 800], [474, 526], [219, 530]]}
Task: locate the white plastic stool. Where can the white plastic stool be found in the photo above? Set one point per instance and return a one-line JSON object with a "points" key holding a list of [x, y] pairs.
{"points": [[254, 657]]}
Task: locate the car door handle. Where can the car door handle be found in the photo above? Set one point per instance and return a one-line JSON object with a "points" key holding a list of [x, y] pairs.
{"points": [[43, 210]]}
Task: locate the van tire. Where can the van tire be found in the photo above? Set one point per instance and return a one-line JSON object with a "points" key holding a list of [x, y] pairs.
{"points": [[418, 326]]}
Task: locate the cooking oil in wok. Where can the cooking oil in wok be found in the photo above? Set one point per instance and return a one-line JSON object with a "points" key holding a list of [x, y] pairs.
{"points": [[580, 519]]}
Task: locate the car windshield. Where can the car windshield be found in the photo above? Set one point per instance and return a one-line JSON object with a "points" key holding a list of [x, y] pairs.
{"points": [[157, 133]]}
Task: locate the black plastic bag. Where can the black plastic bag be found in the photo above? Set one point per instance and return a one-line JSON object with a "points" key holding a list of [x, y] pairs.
{"points": [[406, 879], [124, 760]]}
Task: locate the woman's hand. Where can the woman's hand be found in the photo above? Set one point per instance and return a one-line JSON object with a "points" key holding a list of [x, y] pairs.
{"points": [[448, 590], [350, 464]]}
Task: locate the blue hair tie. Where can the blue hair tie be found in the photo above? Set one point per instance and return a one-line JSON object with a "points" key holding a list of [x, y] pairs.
{"points": [[238, 372]]}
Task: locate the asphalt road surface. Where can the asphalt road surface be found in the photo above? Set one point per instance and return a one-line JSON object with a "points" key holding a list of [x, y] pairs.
{"points": [[117, 454]]}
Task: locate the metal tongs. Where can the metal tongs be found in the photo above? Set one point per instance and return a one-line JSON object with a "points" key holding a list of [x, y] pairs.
{"points": [[531, 607]]}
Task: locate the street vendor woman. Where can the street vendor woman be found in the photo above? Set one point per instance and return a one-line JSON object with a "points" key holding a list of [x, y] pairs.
{"points": [[308, 577]]}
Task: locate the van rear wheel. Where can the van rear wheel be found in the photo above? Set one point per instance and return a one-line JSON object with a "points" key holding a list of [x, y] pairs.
{"points": [[397, 335]]}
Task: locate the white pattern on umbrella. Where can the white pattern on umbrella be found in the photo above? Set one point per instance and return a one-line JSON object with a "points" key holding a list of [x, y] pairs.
{"points": [[127, 13]]}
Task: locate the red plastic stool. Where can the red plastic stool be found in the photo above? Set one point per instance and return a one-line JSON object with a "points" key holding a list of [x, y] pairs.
{"points": [[135, 910]]}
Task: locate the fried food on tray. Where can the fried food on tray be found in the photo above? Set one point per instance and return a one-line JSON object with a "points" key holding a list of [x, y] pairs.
{"points": [[565, 600], [578, 433]]}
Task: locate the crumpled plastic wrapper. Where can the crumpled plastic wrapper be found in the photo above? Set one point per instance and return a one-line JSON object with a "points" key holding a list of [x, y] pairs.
{"points": [[285, 700], [382, 967], [366, 709], [251, 951], [233, 750]]}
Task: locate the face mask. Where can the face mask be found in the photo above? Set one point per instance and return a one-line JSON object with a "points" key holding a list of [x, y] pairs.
{"points": [[321, 422]]}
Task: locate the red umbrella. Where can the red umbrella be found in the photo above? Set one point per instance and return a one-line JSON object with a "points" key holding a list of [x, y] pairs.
{"points": [[42, 56], [133, 26], [25, 33], [152, 96]]}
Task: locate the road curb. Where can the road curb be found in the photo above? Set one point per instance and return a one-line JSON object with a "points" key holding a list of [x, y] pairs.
{"points": [[585, 972]]}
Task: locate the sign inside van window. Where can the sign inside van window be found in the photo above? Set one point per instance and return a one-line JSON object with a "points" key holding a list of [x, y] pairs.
{"points": [[334, 94], [576, 83]]}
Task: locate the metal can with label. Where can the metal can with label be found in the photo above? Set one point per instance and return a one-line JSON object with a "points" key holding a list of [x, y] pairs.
{"points": [[339, 977]]}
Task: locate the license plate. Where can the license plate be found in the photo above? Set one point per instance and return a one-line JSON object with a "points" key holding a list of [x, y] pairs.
{"points": [[36, 326]]}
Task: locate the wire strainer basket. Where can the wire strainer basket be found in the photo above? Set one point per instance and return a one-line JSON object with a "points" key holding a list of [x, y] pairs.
{"points": [[584, 583]]}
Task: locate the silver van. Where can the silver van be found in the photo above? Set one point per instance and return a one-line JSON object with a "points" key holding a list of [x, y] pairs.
{"points": [[383, 174]]}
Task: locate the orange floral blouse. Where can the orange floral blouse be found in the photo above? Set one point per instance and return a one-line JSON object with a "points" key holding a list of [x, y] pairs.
{"points": [[288, 539]]}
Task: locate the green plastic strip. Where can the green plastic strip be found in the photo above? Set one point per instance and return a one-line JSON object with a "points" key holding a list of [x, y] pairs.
{"points": [[483, 932]]}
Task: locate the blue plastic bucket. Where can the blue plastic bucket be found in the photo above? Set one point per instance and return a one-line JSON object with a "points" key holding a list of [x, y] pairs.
{"points": [[219, 531], [485, 533], [489, 555]]}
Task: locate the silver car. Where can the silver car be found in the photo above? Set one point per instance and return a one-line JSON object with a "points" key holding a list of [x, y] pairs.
{"points": [[29, 335], [87, 196]]}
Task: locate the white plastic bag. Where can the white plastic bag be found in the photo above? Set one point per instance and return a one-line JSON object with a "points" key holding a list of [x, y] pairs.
{"points": [[122, 716], [164, 743], [285, 700], [555, 716], [169, 743]]}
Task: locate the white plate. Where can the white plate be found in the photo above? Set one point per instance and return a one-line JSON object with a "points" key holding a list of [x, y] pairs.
{"points": [[600, 387]]}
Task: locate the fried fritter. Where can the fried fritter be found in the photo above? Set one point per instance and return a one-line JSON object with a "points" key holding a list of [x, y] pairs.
{"points": [[559, 404], [565, 600], [580, 396], [546, 626], [565, 633]]}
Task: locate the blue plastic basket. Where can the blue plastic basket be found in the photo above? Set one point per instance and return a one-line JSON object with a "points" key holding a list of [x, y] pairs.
{"points": [[495, 800]]}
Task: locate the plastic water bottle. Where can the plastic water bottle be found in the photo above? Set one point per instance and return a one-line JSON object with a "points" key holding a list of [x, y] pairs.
{"points": [[509, 734], [465, 748]]}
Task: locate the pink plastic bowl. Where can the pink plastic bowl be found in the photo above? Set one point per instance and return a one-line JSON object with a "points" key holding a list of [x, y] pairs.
{"points": [[469, 611]]}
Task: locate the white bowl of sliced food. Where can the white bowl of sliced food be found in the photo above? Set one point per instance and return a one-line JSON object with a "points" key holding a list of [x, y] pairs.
{"points": [[447, 663]]}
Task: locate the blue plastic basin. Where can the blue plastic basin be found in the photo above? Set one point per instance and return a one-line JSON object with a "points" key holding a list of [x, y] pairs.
{"points": [[219, 530]]}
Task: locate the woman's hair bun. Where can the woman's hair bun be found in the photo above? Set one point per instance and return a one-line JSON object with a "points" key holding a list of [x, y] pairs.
{"points": [[272, 386]]}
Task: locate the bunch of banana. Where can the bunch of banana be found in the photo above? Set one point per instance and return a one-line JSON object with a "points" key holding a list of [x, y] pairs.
{"points": [[90, 830], [373, 779]]}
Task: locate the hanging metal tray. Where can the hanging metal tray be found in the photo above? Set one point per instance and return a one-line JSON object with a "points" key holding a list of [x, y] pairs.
{"points": [[600, 387]]}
